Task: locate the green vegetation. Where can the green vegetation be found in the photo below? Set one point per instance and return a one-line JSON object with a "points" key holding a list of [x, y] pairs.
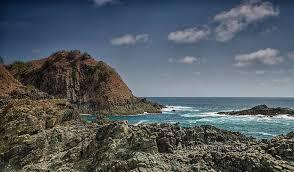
{"points": [[20, 67], [102, 71], [74, 72], [30, 87], [1, 60]]}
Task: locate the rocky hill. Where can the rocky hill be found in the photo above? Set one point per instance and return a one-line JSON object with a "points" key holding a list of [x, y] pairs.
{"points": [[93, 86]]}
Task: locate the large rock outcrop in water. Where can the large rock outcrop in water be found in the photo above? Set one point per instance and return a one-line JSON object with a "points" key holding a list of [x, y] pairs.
{"points": [[89, 84], [262, 110], [48, 135]]}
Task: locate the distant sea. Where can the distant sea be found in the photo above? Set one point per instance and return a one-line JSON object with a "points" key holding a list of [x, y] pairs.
{"points": [[195, 111]]}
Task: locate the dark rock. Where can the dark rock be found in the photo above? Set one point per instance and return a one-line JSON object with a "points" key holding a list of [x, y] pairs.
{"points": [[262, 110]]}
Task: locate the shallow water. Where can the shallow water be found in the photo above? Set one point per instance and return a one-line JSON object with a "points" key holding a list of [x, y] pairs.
{"points": [[199, 111]]}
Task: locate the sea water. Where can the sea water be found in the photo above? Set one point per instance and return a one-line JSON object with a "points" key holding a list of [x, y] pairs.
{"points": [[192, 111]]}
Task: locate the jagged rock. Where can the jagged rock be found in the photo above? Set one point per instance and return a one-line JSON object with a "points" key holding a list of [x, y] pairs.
{"points": [[93, 86], [48, 135], [36, 131], [262, 110]]}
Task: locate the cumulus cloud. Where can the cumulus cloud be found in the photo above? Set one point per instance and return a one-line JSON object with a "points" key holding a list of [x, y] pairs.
{"points": [[189, 35], [129, 39], [185, 60], [103, 2], [266, 56], [237, 19]]}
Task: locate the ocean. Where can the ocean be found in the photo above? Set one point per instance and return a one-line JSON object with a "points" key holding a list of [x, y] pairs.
{"points": [[195, 111]]}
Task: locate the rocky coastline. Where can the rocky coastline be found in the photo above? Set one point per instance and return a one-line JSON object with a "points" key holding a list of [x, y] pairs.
{"points": [[43, 131], [262, 110], [49, 135]]}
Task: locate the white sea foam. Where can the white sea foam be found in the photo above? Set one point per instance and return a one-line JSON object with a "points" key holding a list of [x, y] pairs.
{"points": [[140, 122], [211, 114], [247, 117], [179, 108], [85, 114], [262, 133], [189, 115]]}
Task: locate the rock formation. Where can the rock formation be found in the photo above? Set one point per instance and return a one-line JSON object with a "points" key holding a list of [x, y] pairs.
{"points": [[91, 85], [48, 135], [10, 88], [262, 110], [8, 82]]}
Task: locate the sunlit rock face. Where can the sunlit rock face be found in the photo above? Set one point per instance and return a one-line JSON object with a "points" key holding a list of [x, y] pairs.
{"points": [[91, 85]]}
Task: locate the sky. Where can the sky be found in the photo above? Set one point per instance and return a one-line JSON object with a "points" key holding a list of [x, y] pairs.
{"points": [[183, 48]]}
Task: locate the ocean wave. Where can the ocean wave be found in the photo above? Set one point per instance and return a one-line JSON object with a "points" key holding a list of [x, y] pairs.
{"points": [[86, 114], [248, 117], [140, 122], [179, 108], [211, 114], [261, 133], [189, 115]]}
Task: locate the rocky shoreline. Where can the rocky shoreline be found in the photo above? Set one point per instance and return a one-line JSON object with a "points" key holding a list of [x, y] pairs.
{"points": [[262, 110], [49, 135]]}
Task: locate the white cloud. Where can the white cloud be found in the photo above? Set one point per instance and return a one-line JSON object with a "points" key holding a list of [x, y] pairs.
{"points": [[103, 2], [266, 56], [189, 60], [185, 60], [129, 39], [237, 19], [190, 35]]}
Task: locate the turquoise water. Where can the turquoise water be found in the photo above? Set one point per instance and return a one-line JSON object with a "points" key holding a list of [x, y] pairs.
{"points": [[191, 112]]}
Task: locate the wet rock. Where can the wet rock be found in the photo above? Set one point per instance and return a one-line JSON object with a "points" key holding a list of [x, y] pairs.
{"points": [[262, 110]]}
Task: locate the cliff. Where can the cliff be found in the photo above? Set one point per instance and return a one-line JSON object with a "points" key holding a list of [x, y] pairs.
{"points": [[93, 86]]}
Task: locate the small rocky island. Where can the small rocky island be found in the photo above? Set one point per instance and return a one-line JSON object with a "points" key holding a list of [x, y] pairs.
{"points": [[262, 110], [41, 129]]}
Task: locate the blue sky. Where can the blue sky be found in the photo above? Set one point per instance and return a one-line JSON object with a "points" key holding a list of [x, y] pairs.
{"points": [[167, 47]]}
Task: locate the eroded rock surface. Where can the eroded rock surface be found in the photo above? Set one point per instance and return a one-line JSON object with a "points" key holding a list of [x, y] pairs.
{"points": [[48, 135]]}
